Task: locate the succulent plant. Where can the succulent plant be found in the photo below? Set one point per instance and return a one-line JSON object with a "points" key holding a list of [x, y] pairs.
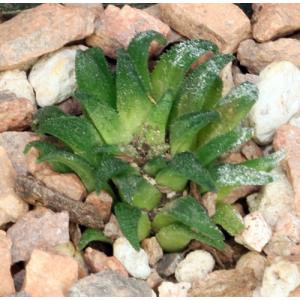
{"points": [[145, 134]]}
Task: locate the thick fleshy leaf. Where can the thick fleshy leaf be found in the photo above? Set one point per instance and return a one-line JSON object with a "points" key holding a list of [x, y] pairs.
{"points": [[76, 133], [138, 51], [128, 218], [170, 178], [144, 226], [80, 166], [44, 113], [93, 75], [153, 166], [223, 144], [185, 164], [187, 211], [137, 191], [184, 130], [133, 103], [265, 163], [237, 175], [105, 119], [203, 87], [45, 148], [232, 109], [175, 237], [92, 235], [228, 218], [174, 64]]}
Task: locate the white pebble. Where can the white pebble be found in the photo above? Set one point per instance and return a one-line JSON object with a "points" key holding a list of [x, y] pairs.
{"points": [[170, 289], [278, 102], [257, 232], [53, 76], [195, 266], [16, 82], [135, 262], [280, 279]]}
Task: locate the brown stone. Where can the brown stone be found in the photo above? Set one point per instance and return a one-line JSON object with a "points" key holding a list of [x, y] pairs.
{"points": [[7, 287], [256, 56], [15, 113], [209, 22], [287, 138], [153, 250], [102, 203], [240, 192], [239, 77], [67, 184], [273, 20], [112, 229], [38, 228], [71, 106], [225, 283], [154, 280], [118, 26], [209, 202], [41, 30], [49, 274], [12, 207], [98, 261], [251, 150]]}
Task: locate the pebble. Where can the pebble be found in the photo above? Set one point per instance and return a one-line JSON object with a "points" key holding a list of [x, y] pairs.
{"points": [[49, 274], [135, 262], [167, 265], [256, 234], [38, 228], [195, 266], [109, 284], [53, 76], [7, 287], [154, 279], [41, 30], [112, 228], [280, 279], [153, 250], [16, 82], [208, 21], [279, 88], [170, 289]]}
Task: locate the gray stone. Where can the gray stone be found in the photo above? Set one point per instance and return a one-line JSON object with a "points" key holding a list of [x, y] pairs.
{"points": [[167, 265], [109, 284]]}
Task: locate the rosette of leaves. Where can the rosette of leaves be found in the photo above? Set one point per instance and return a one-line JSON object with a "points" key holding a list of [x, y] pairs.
{"points": [[144, 134]]}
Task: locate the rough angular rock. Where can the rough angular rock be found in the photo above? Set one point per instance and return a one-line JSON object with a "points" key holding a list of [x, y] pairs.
{"points": [[14, 144], [209, 202], [98, 261], [167, 265], [49, 274], [273, 20], [254, 261], [16, 82], [153, 250], [225, 283], [226, 76], [256, 234], [53, 76], [256, 56], [170, 289], [209, 22], [38, 228], [102, 203], [118, 26], [6, 283], [280, 279], [239, 77], [15, 113], [41, 30], [109, 284], [276, 198], [279, 88], [251, 150], [154, 280], [12, 207], [288, 138], [135, 262], [68, 184], [112, 229], [195, 266]]}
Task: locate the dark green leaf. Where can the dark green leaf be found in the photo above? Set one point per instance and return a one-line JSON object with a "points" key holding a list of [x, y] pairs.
{"points": [[223, 144], [170, 178], [44, 113], [128, 219], [94, 77], [153, 166], [228, 218], [92, 235], [184, 130], [174, 64], [138, 51]]}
